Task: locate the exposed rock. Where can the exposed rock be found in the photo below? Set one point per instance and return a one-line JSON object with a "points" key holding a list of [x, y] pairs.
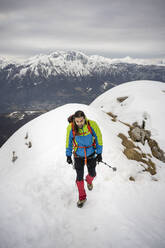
{"points": [[135, 124], [126, 124], [151, 167], [138, 133], [26, 137], [156, 151], [122, 99], [14, 158], [132, 178], [131, 152], [126, 142], [113, 116], [29, 144]]}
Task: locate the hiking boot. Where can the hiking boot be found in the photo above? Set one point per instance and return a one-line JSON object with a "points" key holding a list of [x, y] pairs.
{"points": [[89, 186], [80, 203]]}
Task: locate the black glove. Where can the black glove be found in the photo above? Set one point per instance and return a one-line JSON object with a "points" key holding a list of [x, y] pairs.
{"points": [[99, 158], [69, 160]]}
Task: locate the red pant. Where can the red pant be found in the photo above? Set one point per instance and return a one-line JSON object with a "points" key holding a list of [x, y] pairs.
{"points": [[79, 167], [82, 193]]}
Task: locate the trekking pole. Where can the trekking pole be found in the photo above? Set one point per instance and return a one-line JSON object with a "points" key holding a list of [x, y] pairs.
{"points": [[113, 168]]}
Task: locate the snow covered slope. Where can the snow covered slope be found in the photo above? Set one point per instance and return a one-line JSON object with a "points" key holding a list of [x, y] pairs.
{"points": [[146, 101], [38, 193]]}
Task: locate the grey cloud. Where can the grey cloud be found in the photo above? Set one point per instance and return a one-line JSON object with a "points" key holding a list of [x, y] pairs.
{"points": [[79, 24]]}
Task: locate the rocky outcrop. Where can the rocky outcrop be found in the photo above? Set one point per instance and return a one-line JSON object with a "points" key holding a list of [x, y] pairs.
{"points": [[156, 151], [122, 99], [138, 133], [133, 152]]}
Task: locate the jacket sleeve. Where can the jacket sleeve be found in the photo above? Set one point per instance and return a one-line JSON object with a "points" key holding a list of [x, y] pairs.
{"points": [[98, 136], [69, 141]]}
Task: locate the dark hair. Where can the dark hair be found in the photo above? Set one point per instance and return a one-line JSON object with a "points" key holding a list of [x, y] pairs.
{"points": [[77, 114]]}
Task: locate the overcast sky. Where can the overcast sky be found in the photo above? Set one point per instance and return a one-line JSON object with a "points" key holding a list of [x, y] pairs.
{"points": [[112, 28]]}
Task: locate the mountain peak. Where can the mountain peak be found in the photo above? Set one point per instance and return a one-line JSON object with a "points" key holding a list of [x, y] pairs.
{"points": [[75, 55]]}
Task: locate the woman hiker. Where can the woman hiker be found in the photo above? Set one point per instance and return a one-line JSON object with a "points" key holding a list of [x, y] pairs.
{"points": [[85, 139]]}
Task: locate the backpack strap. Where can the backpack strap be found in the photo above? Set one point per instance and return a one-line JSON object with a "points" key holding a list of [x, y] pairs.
{"points": [[89, 127], [90, 130], [73, 130]]}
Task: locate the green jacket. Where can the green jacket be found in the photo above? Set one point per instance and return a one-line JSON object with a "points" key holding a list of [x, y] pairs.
{"points": [[84, 139]]}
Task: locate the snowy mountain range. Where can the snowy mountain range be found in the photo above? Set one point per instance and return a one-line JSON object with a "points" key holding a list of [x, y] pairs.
{"points": [[125, 209], [47, 81]]}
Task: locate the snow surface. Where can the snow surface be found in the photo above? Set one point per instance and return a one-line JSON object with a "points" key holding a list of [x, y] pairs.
{"points": [[38, 193]]}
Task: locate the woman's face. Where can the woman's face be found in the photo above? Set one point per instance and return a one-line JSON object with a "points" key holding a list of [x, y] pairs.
{"points": [[80, 121]]}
